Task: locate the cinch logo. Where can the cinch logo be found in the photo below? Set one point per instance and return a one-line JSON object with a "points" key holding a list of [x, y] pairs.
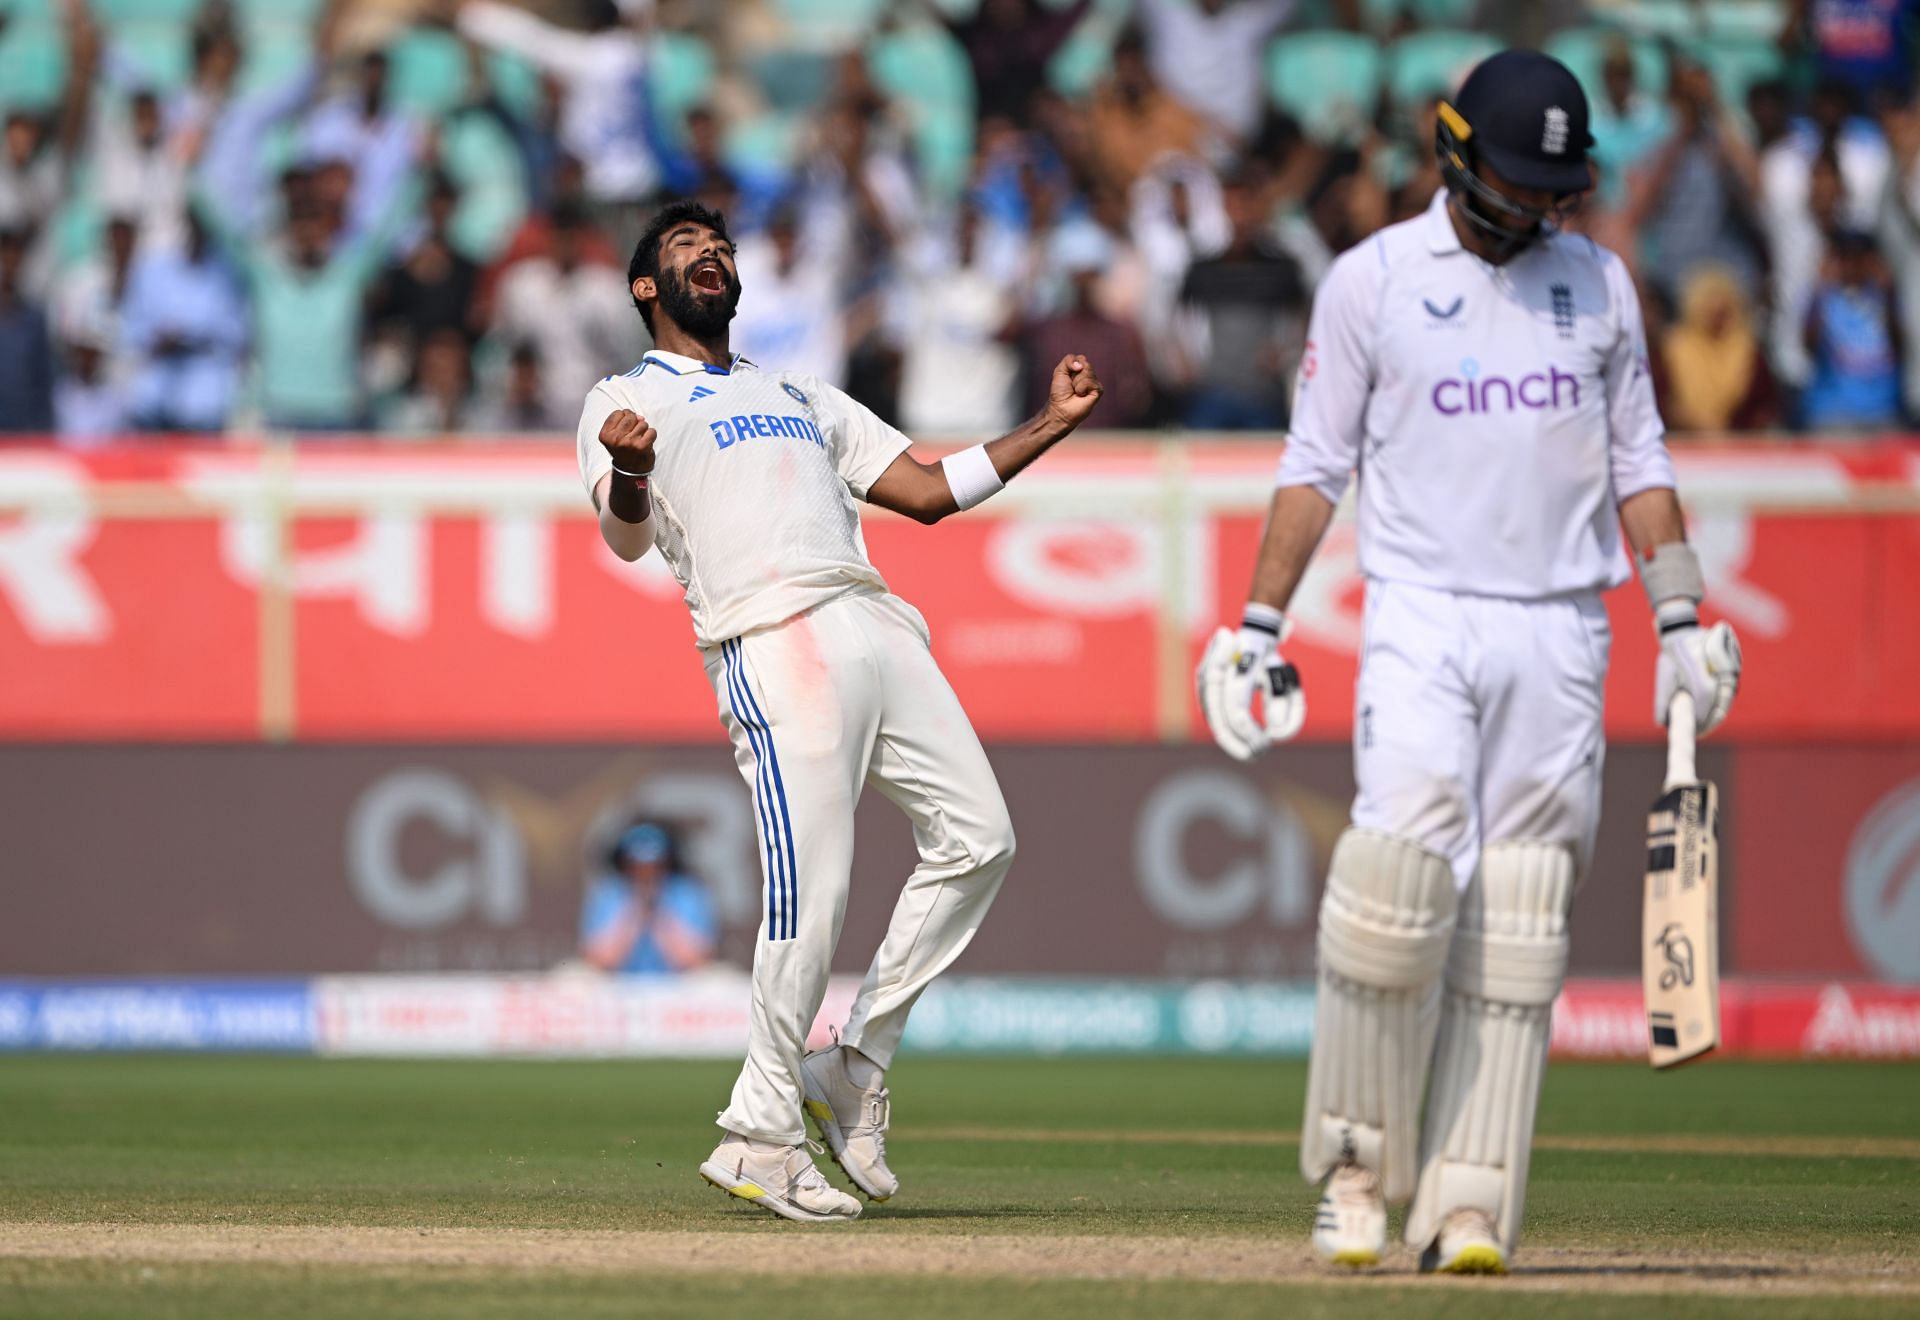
{"points": [[1473, 393], [732, 430]]}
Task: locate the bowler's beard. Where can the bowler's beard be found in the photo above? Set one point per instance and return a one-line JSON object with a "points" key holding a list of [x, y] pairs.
{"points": [[703, 316]]}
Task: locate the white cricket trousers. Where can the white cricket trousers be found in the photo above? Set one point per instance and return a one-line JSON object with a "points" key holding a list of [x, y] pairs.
{"points": [[845, 695], [1477, 719]]}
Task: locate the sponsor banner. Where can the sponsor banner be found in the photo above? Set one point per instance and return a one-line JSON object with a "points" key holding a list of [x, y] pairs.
{"points": [[157, 1015], [582, 1015], [1597, 1019], [977, 1015], [340, 592], [1846, 822], [1135, 861], [1840, 1019]]}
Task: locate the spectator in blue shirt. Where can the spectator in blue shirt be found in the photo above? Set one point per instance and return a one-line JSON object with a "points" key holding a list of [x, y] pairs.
{"points": [[1853, 337], [644, 914]]}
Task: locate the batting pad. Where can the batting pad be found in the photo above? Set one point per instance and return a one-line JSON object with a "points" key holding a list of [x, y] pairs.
{"points": [[1509, 959], [1385, 923]]}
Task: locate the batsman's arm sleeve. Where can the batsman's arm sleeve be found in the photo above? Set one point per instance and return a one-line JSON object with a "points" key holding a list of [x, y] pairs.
{"points": [[1336, 375], [1636, 436]]}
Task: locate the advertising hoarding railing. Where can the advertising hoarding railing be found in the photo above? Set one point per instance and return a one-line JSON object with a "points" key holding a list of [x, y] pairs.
{"points": [[341, 591]]}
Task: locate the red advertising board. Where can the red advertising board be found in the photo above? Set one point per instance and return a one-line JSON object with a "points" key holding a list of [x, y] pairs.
{"points": [[347, 592], [1823, 819]]}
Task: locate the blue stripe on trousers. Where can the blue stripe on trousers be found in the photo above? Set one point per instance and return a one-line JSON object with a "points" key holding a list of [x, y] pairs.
{"points": [[780, 792], [763, 797]]}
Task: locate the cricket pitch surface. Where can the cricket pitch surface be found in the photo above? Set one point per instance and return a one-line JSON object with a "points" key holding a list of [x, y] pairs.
{"points": [[189, 1186]]}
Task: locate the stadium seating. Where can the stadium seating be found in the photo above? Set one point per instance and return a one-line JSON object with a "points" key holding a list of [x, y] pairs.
{"points": [[830, 25], [925, 68], [1584, 50], [1426, 64], [429, 74], [33, 63], [759, 142], [1738, 64], [683, 72], [1327, 81], [484, 162], [160, 50]]}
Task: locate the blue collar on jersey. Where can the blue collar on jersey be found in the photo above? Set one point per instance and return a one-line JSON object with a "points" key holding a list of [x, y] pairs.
{"points": [[686, 366]]}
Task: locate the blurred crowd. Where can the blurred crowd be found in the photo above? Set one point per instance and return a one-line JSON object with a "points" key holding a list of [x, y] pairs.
{"points": [[414, 216]]}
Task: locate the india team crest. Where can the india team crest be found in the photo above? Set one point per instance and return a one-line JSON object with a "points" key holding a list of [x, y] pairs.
{"points": [[794, 390]]}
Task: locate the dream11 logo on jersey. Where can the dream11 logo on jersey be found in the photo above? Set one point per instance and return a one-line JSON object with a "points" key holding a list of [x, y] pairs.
{"points": [[1470, 392]]}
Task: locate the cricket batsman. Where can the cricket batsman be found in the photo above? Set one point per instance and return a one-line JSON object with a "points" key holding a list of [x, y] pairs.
{"points": [[748, 481], [1485, 375]]}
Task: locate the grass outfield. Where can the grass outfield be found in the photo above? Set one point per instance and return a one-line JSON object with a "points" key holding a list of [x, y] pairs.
{"points": [[163, 1186]]}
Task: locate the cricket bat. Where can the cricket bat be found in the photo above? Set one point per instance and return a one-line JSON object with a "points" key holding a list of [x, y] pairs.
{"points": [[1680, 948]]}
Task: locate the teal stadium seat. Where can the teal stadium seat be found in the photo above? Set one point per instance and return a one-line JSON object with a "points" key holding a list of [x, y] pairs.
{"points": [[114, 12], [1082, 61], [1584, 50], [1327, 81], [1086, 56], [793, 80], [830, 25], [1384, 17], [1426, 64], [485, 162], [272, 52], [1747, 20], [160, 49], [682, 68], [761, 144], [924, 68], [1737, 64], [1675, 20], [1445, 13], [427, 71], [33, 64]]}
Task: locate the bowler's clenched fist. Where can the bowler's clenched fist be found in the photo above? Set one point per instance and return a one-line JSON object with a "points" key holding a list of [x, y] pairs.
{"points": [[1074, 391], [629, 439]]}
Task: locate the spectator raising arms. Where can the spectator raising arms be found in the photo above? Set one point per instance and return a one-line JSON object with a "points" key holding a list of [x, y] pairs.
{"points": [[1211, 53]]}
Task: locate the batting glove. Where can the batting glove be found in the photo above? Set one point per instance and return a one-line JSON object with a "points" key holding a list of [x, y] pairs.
{"points": [[1704, 662], [1235, 666]]}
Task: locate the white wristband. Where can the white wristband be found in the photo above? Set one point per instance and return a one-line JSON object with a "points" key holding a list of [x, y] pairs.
{"points": [[1672, 570], [970, 476]]}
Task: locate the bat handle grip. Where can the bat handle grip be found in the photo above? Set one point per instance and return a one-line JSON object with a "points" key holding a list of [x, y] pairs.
{"points": [[1680, 741]]}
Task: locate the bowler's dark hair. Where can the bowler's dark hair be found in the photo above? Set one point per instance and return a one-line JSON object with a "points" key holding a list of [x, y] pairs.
{"points": [[646, 253]]}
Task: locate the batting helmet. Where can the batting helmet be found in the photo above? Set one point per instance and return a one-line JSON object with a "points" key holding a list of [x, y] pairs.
{"points": [[1523, 116]]}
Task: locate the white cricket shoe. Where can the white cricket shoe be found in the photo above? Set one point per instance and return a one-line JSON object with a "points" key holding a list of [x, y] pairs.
{"points": [[1467, 1245], [852, 1120], [777, 1178], [1351, 1225]]}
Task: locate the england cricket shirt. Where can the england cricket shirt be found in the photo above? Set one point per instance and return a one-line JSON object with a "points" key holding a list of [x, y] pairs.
{"points": [[1495, 415]]}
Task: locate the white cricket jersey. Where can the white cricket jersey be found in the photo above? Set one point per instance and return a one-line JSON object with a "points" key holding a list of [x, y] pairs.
{"points": [[1496, 415], [755, 482]]}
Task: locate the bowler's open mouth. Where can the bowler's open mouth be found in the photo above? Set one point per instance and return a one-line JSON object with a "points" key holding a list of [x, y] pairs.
{"points": [[708, 276]]}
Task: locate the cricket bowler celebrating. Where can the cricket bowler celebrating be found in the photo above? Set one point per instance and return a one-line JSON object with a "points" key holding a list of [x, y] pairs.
{"points": [[747, 481], [1486, 377]]}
